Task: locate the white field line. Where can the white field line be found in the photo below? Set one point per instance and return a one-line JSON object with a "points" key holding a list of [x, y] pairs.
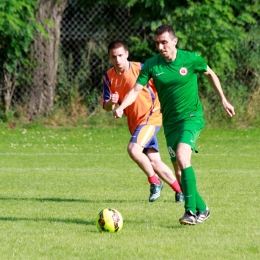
{"points": [[60, 169], [29, 170], [60, 154], [90, 170], [120, 154], [47, 169]]}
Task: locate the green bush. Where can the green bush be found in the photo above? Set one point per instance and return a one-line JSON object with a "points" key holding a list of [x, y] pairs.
{"points": [[17, 28]]}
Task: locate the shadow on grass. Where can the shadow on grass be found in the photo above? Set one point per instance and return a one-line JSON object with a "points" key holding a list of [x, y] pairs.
{"points": [[142, 201], [77, 221], [74, 221], [66, 220], [71, 200]]}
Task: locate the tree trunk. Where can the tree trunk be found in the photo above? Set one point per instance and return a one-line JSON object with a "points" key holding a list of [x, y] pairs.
{"points": [[46, 54], [9, 87]]}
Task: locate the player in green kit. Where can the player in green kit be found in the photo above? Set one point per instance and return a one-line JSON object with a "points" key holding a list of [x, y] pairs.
{"points": [[174, 72]]}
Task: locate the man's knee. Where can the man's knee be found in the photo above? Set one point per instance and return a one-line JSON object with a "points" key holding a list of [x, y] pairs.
{"points": [[134, 150], [155, 163], [155, 159], [183, 155]]}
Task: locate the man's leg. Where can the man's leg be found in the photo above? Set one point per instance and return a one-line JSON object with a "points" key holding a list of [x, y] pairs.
{"points": [[193, 200], [160, 167], [177, 171], [181, 142], [135, 151], [188, 180], [165, 173]]}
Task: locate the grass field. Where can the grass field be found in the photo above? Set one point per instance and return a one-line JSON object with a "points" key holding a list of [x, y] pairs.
{"points": [[55, 181]]}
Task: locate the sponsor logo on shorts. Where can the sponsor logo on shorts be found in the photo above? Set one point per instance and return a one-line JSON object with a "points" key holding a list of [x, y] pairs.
{"points": [[171, 152], [183, 71]]}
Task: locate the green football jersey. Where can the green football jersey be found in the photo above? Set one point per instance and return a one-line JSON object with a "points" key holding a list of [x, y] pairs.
{"points": [[177, 85]]}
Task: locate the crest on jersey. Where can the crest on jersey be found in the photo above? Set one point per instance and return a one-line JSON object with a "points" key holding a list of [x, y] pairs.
{"points": [[183, 71]]}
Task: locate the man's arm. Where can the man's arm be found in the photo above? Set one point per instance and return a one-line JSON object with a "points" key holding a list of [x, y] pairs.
{"points": [[129, 98], [110, 105], [214, 81]]}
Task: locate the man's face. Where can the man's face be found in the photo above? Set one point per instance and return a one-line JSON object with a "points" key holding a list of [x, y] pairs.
{"points": [[118, 58], [166, 45]]}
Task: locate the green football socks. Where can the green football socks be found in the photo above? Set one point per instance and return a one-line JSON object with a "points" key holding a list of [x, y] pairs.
{"points": [[193, 200]]}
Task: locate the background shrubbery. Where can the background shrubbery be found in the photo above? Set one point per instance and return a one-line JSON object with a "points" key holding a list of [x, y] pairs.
{"points": [[225, 33]]}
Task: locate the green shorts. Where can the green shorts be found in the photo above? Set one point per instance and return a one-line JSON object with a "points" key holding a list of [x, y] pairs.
{"points": [[187, 131]]}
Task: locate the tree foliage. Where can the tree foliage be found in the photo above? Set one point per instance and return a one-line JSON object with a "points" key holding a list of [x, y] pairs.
{"points": [[224, 32], [17, 30]]}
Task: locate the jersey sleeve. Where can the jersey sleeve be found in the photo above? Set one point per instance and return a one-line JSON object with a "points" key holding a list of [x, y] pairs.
{"points": [[106, 89], [200, 63], [144, 75]]}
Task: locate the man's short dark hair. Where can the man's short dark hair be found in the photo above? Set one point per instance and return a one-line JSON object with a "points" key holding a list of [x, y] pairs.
{"points": [[115, 45], [163, 29]]}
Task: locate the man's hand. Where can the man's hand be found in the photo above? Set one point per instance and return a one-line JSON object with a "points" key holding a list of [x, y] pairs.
{"points": [[129, 99], [229, 108], [114, 98], [214, 81], [118, 113], [111, 103]]}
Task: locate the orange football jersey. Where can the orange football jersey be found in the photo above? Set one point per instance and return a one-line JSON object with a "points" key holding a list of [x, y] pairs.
{"points": [[146, 109]]}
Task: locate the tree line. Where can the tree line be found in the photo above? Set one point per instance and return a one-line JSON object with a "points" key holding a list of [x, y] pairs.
{"points": [[224, 32]]}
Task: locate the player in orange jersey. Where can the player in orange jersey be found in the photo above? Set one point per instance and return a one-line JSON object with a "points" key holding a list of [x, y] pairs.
{"points": [[143, 116]]}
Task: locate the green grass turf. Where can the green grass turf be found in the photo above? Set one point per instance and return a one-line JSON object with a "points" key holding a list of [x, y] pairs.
{"points": [[54, 182]]}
